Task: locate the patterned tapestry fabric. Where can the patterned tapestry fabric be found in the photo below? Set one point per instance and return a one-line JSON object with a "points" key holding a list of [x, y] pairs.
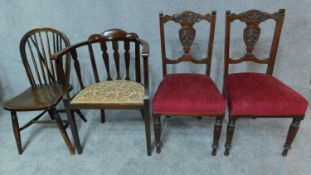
{"points": [[111, 92]]}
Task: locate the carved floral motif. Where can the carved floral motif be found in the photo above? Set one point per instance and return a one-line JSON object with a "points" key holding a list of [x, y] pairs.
{"points": [[187, 33], [255, 16], [186, 36], [251, 35]]}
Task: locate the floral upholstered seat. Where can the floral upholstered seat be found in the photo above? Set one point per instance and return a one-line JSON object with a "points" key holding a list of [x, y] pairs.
{"points": [[111, 92]]}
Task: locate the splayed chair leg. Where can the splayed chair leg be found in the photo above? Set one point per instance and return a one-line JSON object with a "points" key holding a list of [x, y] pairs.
{"points": [[16, 132], [62, 130]]}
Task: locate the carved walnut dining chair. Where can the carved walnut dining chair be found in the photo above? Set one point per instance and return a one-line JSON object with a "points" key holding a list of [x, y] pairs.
{"points": [[259, 95], [114, 91], [36, 47], [188, 94]]}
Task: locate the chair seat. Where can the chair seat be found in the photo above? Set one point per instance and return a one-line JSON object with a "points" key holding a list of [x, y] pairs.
{"points": [[120, 92], [188, 94], [36, 98], [262, 95]]}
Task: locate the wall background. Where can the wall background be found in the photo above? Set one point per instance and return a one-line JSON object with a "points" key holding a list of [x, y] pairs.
{"points": [[78, 19]]}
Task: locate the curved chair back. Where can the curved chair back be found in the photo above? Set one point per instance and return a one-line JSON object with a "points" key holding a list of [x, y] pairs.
{"points": [[187, 33], [251, 34], [109, 43], [36, 48]]}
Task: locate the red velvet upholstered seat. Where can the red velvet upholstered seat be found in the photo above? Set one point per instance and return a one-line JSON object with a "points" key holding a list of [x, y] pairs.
{"points": [[262, 94], [183, 94]]}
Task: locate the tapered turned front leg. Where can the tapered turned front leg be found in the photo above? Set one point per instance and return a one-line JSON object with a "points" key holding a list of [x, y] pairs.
{"points": [[230, 132], [103, 117], [146, 118], [62, 130], [293, 129], [157, 132], [217, 133], [16, 131]]}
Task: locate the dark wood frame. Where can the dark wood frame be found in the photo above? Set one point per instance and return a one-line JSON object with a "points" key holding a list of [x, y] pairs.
{"points": [[186, 35], [42, 75], [252, 19], [114, 36]]}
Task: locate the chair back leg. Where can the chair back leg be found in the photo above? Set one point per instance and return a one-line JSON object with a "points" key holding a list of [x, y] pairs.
{"points": [[103, 117], [73, 126], [54, 114]]}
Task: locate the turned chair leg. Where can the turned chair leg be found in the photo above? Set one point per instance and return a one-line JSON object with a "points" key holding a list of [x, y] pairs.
{"points": [[217, 133], [157, 132], [103, 117], [230, 132], [73, 127], [292, 132], [54, 114], [16, 131], [146, 114]]}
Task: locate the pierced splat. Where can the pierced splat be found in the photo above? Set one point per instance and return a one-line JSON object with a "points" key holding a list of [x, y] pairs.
{"points": [[251, 34], [187, 33], [186, 36]]}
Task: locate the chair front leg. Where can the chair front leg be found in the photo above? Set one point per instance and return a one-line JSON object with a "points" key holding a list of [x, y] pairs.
{"points": [[217, 133], [54, 114], [16, 131], [146, 114], [230, 132], [157, 132], [73, 126], [292, 132]]}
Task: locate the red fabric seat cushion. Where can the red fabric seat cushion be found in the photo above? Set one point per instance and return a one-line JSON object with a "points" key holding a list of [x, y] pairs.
{"points": [[188, 94], [263, 95]]}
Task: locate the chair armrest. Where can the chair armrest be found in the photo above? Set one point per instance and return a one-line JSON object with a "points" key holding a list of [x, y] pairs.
{"points": [[145, 51], [66, 50], [145, 55]]}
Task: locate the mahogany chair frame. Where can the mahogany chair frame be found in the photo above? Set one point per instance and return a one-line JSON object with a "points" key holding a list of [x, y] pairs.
{"points": [[252, 19], [187, 19], [42, 74], [113, 36]]}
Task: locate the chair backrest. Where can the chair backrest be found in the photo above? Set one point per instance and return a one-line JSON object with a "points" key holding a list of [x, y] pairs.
{"points": [[251, 33], [113, 37], [187, 33], [36, 48]]}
